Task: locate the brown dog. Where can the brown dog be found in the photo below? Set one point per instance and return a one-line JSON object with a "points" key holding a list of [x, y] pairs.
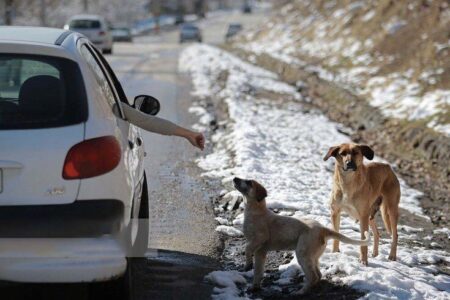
{"points": [[361, 190], [266, 231]]}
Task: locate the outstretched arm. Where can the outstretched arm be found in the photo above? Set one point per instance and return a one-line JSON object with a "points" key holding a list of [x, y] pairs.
{"points": [[161, 126]]}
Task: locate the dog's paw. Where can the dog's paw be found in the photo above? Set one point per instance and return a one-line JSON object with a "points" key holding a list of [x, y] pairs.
{"points": [[364, 262], [254, 288], [374, 254], [304, 290], [248, 267], [392, 257]]}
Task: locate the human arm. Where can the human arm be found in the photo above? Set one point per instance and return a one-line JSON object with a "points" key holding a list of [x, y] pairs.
{"points": [[161, 126]]}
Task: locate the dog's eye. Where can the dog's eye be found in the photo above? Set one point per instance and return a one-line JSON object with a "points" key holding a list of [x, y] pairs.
{"points": [[343, 153]]}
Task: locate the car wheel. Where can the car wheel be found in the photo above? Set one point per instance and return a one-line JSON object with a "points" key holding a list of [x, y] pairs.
{"points": [[120, 288], [107, 51]]}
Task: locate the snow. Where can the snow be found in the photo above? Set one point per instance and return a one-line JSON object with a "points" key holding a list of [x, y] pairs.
{"points": [[227, 281], [229, 230], [282, 147]]}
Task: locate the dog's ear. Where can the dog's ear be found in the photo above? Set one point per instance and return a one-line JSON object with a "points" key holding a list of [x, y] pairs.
{"points": [[367, 151], [260, 191], [331, 152]]}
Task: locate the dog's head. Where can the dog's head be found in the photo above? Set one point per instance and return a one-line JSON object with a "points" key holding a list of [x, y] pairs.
{"points": [[251, 189], [350, 156]]}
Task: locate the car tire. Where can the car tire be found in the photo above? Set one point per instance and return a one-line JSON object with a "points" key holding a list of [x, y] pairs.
{"points": [[117, 289], [140, 245], [126, 282], [107, 51]]}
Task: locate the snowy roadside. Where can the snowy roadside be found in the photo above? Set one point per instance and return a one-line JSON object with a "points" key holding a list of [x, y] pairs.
{"points": [[280, 144]]}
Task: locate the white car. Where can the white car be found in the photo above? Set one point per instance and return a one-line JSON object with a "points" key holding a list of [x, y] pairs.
{"points": [[95, 28], [72, 182]]}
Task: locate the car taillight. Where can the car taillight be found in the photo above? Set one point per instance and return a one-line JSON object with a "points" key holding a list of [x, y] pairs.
{"points": [[101, 33], [92, 158]]}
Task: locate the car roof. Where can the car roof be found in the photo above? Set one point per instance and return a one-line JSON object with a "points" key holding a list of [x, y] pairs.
{"points": [[86, 17], [42, 35]]}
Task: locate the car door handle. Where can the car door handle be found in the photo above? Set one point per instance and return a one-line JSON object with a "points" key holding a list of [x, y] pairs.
{"points": [[7, 164]]}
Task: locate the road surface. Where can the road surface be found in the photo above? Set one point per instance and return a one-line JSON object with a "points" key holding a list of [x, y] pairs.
{"points": [[182, 224]]}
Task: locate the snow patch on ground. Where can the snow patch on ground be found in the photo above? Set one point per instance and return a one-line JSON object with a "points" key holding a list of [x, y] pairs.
{"points": [[229, 230], [282, 147]]}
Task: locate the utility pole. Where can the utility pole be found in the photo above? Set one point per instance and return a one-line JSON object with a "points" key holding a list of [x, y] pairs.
{"points": [[43, 13], [8, 12], [86, 5]]}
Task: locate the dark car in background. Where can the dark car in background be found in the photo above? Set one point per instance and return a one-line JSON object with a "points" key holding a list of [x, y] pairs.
{"points": [[121, 34], [232, 30], [190, 32], [246, 9]]}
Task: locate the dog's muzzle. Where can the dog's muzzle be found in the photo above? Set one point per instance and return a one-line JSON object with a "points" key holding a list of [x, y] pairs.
{"points": [[350, 166]]}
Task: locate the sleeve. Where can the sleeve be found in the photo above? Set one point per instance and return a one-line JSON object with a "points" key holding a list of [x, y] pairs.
{"points": [[147, 122]]}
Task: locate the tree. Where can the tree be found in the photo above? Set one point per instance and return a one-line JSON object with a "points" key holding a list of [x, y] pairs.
{"points": [[8, 12]]}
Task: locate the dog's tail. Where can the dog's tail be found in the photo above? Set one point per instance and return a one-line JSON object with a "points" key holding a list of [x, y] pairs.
{"points": [[331, 234]]}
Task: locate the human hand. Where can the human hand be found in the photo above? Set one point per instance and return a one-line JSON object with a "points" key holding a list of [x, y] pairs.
{"points": [[196, 139]]}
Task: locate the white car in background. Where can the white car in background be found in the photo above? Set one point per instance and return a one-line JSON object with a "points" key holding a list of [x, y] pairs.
{"points": [[95, 28], [72, 181]]}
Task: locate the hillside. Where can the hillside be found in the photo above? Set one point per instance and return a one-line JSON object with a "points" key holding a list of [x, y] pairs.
{"points": [[395, 54]]}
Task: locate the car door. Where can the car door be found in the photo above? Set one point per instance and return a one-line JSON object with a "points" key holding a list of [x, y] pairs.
{"points": [[42, 113], [131, 138]]}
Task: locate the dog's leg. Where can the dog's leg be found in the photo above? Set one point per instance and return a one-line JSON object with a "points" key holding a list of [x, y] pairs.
{"points": [[376, 237], [336, 222], [317, 269], [364, 226], [260, 260], [310, 273], [393, 219], [249, 251]]}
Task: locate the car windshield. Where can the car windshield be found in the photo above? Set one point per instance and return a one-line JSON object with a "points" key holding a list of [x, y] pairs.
{"points": [[38, 91], [85, 24], [189, 28]]}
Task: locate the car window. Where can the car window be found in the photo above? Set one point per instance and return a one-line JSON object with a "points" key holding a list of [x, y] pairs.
{"points": [[39, 92], [84, 24], [120, 92], [99, 74]]}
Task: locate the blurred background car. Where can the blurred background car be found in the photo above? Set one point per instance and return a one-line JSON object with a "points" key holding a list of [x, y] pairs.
{"points": [[190, 32], [95, 28], [246, 8], [233, 29], [121, 34], [179, 19]]}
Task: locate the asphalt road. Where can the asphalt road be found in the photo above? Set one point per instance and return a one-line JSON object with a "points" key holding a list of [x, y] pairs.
{"points": [[183, 244]]}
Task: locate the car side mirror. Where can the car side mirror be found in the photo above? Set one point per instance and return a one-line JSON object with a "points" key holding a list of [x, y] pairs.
{"points": [[147, 104]]}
